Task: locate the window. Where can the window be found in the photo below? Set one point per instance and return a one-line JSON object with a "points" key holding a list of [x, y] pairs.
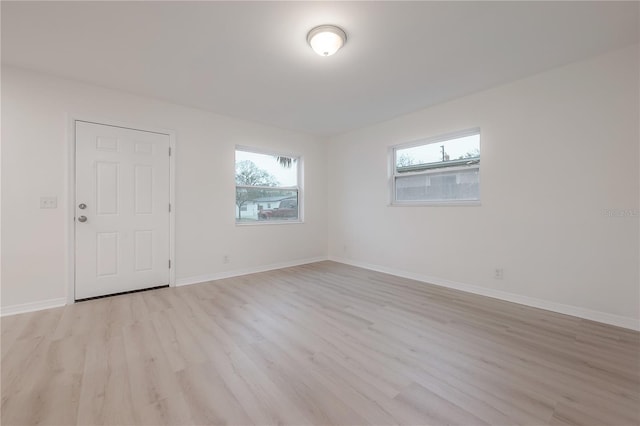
{"points": [[267, 187], [440, 170]]}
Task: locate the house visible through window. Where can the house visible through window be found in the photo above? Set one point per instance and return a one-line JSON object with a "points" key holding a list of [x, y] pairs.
{"points": [[444, 169], [267, 187]]}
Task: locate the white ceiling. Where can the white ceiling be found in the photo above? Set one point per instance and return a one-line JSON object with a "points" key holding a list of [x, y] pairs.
{"points": [[250, 60]]}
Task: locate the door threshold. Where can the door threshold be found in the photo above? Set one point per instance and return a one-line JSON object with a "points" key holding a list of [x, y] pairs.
{"points": [[121, 293]]}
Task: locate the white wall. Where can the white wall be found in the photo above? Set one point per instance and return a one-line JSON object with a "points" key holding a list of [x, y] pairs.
{"points": [[558, 149], [35, 163]]}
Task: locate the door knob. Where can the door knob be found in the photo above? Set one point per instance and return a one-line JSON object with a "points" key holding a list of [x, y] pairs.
{"points": [[82, 219]]}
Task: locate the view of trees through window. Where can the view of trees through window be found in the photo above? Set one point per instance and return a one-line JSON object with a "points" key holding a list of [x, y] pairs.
{"points": [[266, 187]]}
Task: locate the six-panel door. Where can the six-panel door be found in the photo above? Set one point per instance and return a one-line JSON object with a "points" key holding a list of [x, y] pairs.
{"points": [[122, 210]]}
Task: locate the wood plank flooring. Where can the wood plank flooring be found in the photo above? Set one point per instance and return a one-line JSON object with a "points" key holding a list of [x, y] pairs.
{"points": [[323, 344]]}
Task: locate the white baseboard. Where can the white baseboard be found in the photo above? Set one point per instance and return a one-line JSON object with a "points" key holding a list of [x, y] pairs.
{"points": [[576, 311], [246, 271], [32, 306]]}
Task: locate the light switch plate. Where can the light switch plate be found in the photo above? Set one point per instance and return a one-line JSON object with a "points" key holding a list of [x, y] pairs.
{"points": [[48, 202]]}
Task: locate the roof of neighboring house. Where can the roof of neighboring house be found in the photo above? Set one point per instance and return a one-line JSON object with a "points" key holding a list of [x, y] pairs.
{"points": [[273, 199], [439, 165]]}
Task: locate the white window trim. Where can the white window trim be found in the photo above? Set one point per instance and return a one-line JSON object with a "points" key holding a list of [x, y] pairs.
{"points": [[299, 187], [427, 141]]}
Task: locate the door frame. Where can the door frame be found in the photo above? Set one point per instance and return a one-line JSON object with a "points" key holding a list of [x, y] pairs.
{"points": [[71, 192]]}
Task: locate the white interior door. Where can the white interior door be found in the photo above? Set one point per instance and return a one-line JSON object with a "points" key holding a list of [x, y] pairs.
{"points": [[122, 210]]}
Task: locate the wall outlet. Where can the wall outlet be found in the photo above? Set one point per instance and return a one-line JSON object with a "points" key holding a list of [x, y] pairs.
{"points": [[498, 274], [48, 202], [225, 258]]}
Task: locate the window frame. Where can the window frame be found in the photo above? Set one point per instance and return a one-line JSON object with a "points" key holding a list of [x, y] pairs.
{"points": [[299, 187], [393, 175]]}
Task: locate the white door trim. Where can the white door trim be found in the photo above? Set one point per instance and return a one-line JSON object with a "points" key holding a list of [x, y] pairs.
{"points": [[71, 193]]}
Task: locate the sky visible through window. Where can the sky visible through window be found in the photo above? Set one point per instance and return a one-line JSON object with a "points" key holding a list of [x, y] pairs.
{"points": [[464, 147], [286, 176]]}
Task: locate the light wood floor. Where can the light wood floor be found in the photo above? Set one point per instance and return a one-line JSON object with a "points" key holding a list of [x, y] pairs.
{"points": [[317, 344]]}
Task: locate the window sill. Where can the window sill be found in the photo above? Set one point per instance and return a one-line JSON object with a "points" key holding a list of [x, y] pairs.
{"points": [[270, 222], [435, 204]]}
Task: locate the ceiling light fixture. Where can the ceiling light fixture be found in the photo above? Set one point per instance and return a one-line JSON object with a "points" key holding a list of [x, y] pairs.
{"points": [[325, 40]]}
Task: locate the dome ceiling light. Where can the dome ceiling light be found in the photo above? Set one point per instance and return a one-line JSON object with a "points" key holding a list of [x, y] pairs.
{"points": [[326, 40]]}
